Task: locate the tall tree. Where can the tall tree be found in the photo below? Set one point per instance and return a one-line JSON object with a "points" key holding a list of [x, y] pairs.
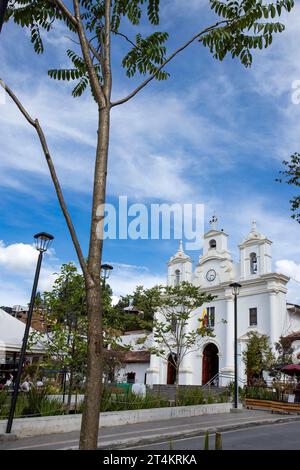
{"points": [[172, 332], [64, 317], [243, 25], [258, 356], [143, 301]]}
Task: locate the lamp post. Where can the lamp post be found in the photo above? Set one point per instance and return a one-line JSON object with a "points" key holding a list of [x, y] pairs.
{"points": [[42, 243], [106, 268], [235, 286], [3, 7]]}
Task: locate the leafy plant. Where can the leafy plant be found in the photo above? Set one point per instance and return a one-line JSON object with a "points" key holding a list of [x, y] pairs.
{"points": [[292, 177], [210, 399], [3, 403], [21, 406], [258, 355], [193, 396], [51, 407]]}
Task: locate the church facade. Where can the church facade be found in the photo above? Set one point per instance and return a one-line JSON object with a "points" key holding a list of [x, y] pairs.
{"points": [[262, 306]]}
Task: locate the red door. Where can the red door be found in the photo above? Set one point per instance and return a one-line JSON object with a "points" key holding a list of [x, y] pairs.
{"points": [[210, 363]]}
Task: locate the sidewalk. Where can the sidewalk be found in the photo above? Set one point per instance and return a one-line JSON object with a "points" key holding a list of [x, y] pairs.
{"points": [[120, 437]]}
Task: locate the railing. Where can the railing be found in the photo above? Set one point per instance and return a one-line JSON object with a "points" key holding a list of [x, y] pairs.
{"points": [[215, 380]]}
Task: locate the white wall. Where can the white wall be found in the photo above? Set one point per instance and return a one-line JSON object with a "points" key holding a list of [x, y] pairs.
{"points": [[139, 369]]}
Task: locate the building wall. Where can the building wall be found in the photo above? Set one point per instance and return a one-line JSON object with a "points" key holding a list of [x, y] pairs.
{"points": [[139, 369]]}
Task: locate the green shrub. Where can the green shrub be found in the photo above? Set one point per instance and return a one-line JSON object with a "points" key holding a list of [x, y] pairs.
{"points": [[210, 400], [259, 393], [121, 401], [191, 396], [4, 403], [51, 407], [21, 406], [35, 398]]}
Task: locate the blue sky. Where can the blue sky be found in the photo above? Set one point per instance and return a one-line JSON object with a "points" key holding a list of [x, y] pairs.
{"points": [[214, 133]]}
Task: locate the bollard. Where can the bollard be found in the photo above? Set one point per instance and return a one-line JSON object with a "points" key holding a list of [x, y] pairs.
{"points": [[206, 441], [218, 441]]}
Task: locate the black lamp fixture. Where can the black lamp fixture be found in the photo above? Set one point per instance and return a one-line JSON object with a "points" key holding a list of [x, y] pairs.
{"points": [[106, 269], [42, 243], [235, 286]]}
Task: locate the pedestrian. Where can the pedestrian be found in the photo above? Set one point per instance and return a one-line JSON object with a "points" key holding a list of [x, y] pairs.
{"points": [[39, 383], [9, 381], [25, 387]]}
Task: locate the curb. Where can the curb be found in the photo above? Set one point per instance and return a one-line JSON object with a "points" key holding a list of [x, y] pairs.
{"points": [[124, 443], [4, 437]]}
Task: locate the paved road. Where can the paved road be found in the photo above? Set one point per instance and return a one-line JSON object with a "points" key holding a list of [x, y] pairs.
{"points": [[280, 436], [129, 435]]}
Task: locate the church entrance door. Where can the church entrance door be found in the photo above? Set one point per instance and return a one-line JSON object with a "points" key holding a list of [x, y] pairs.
{"points": [[210, 362], [171, 372]]}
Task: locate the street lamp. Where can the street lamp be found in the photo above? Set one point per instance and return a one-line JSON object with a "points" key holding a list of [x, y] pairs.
{"points": [[42, 243], [235, 286], [3, 7], [105, 269]]}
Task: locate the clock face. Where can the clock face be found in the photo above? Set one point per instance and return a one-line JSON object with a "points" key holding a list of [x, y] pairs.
{"points": [[211, 275]]}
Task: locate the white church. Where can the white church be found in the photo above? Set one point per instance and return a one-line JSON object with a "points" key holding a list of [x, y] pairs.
{"points": [[262, 306]]}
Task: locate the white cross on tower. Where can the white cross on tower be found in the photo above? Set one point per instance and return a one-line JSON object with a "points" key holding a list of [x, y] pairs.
{"points": [[213, 222]]}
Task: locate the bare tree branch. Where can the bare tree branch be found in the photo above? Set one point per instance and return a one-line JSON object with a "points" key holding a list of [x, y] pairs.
{"points": [[107, 64], [117, 33], [35, 123], [180, 49]]}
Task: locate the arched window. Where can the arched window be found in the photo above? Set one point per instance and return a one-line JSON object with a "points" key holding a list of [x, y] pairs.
{"points": [[177, 277], [212, 244], [253, 263]]}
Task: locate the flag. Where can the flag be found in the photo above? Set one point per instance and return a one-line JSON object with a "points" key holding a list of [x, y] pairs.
{"points": [[204, 319]]}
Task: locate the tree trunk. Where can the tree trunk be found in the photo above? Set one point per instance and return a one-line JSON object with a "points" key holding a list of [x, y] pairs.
{"points": [[90, 415], [70, 389], [91, 412], [177, 386]]}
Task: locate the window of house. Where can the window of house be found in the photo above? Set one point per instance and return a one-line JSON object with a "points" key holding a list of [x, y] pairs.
{"points": [[253, 263], [211, 316], [212, 244], [177, 277], [131, 377], [253, 316]]}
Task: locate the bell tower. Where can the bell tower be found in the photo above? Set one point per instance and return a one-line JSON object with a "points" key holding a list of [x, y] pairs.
{"points": [[215, 265], [180, 267], [255, 254], [215, 241]]}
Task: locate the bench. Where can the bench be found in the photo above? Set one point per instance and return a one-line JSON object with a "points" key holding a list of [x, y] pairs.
{"points": [[273, 406]]}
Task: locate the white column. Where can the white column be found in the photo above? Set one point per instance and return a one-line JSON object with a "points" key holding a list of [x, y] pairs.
{"points": [[153, 371], [185, 371], [273, 319], [229, 359]]}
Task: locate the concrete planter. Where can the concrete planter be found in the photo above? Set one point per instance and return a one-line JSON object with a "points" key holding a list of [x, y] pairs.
{"points": [[27, 427]]}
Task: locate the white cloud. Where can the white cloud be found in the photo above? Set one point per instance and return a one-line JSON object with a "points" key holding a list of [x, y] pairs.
{"points": [[18, 257], [274, 71], [17, 268], [125, 278], [289, 268]]}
